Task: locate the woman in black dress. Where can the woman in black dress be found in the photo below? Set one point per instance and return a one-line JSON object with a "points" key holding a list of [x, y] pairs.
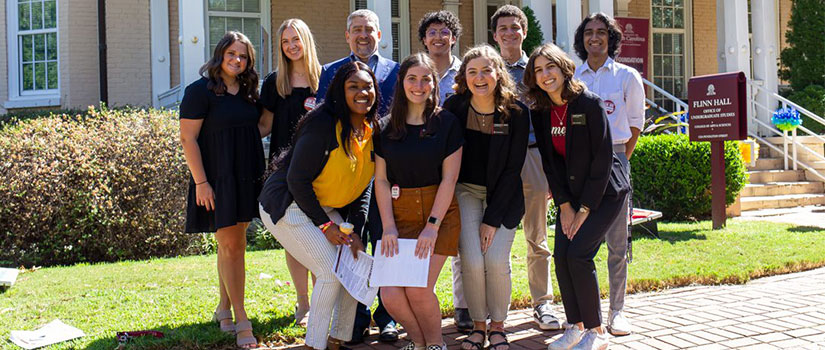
{"points": [[222, 146], [286, 95], [587, 181]]}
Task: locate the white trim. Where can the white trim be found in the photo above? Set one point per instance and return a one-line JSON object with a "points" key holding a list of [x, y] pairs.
{"points": [[192, 22], [383, 9], [452, 6], [687, 44], [35, 98], [480, 23], [569, 15], [161, 62], [403, 28], [263, 16]]}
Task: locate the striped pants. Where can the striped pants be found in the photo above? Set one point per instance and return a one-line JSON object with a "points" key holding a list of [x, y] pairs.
{"points": [[330, 301]]}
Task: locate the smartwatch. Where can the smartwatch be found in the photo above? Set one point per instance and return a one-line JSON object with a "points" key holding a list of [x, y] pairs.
{"points": [[434, 220]]}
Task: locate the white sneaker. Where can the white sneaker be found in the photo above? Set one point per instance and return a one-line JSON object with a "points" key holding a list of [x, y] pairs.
{"points": [[571, 337], [592, 341], [616, 324], [543, 316]]}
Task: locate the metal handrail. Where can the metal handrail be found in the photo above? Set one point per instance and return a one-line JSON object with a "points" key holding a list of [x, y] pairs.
{"points": [[786, 102], [770, 145], [679, 102]]}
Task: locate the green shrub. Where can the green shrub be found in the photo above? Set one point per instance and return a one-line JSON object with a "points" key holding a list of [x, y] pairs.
{"points": [[27, 114], [259, 238], [801, 60], [108, 187], [811, 98], [672, 175], [535, 37]]}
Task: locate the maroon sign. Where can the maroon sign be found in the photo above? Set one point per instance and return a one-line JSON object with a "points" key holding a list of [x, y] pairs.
{"points": [[717, 107], [634, 46]]}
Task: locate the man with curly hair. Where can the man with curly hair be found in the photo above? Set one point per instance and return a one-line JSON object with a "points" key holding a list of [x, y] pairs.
{"points": [[439, 32], [597, 42]]}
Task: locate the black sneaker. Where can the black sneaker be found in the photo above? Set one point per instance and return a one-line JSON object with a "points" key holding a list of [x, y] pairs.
{"points": [[389, 334], [463, 322], [358, 336]]}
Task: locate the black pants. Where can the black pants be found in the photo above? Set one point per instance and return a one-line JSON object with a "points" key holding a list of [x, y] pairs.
{"points": [[371, 234], [575, 270]]}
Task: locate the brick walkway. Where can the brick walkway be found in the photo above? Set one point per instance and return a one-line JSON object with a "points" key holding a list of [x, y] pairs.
{"points": [[779, 312]]}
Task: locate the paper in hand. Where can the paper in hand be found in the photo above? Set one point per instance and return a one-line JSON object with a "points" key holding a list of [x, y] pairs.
{"points": [[402, 270], [354, 274]]}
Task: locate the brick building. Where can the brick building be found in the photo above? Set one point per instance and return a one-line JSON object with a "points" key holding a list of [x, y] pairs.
{"points": [[51, 52]]}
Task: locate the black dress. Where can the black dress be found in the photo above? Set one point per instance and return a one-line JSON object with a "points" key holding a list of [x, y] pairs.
{"points": [[232, 154], [288, 111]]}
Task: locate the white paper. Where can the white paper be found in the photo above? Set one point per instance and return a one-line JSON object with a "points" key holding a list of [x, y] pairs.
{"points": [[52, 333], [354, 274], [8, 276], [402, 270]]}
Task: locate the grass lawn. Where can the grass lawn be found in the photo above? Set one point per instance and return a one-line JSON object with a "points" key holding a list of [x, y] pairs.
{"points": [[177, 296]]}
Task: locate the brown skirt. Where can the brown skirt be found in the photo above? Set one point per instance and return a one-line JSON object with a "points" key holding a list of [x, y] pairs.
{"points": [[411, 211]]}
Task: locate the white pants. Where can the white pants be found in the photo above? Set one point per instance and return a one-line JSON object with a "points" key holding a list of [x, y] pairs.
{"points": [[330, 301]]}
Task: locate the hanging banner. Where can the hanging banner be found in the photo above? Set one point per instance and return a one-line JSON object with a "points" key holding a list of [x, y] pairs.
{"points": [[633, 51]]}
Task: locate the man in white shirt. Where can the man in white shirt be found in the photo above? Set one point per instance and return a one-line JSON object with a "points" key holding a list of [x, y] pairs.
{"points": [[597, 40]]}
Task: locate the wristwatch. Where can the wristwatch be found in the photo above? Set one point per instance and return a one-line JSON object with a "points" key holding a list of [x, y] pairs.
{"points": [[584, 210], [434, 220]]}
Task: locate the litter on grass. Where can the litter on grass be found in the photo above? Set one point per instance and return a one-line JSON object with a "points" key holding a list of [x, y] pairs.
{"points": [[52, 333]]}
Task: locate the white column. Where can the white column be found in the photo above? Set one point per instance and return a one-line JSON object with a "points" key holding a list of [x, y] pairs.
{"points": [[544, 15], [732, 41], [622, 9], [605, 6], [480, 22], [192, 40], [161, 68], [451, 6], [384, 11], [765, 51], [569, 15]]}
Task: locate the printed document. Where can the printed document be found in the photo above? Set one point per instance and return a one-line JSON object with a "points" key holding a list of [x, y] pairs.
{"points": [[54, 332], [354, 274], [402, 270]]}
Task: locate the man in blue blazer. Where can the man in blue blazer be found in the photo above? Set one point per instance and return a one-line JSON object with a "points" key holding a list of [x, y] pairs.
{"points": [[363, 36]]}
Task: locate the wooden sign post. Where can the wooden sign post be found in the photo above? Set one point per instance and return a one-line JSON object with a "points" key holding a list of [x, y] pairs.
{"points": [[717, 112]]}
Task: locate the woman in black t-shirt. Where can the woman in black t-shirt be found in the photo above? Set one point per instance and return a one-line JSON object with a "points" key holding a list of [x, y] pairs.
{"points": [[286, 95], [222, 147], [416, 167]]}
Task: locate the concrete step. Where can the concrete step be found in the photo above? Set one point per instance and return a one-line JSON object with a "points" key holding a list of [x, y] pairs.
{"points": [[783, 201], [801, 154], [782, 188], [766, 163], [767, 176], [777, 140]]}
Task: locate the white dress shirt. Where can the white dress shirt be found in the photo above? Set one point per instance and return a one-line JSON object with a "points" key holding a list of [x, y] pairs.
{"points": [[623, 93]]}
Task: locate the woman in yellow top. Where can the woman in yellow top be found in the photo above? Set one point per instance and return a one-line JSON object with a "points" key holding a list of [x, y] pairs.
{"points": [[321, 182]]}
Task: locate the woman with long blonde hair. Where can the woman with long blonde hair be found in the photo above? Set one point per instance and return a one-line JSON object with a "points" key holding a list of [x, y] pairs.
{"points": [[287, 94]]}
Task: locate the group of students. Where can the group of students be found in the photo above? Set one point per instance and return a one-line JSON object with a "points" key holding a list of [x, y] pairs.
{"points": [[450, 152]]}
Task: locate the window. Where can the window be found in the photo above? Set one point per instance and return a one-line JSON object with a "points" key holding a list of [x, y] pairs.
{"points": [[243, 16], [670, 40], [399, 25], [33, 52]]}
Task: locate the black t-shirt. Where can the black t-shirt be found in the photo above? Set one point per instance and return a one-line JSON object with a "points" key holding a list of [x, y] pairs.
{"points": [[287, 111], [476, 154], [415, 160]]}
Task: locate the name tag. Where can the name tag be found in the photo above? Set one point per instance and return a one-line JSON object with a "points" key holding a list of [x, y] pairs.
{"points": [[578, 119], [395, 191], [501, 129]]}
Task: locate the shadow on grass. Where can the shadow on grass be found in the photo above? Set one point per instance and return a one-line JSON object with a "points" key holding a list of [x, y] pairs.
{"points": [[806, 229], [204, 335], [640, 233]]}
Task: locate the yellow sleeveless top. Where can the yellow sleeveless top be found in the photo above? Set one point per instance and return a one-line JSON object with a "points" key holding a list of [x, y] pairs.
{"points": [[344, 178]]}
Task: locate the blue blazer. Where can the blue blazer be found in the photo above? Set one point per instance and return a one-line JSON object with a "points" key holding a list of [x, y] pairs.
{"points": [[386, 72]]}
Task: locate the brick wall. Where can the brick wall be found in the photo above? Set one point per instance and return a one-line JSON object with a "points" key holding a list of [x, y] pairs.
{"points": [[417, 10], [465, 16], [704, 37], [174, 47], [784, 18], [78, 53], [128, 37]]}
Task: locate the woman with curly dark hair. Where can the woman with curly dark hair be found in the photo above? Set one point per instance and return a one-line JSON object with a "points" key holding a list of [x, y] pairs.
{"points": [[587, 181], [222, 147], [489, 190], [318, 184]]}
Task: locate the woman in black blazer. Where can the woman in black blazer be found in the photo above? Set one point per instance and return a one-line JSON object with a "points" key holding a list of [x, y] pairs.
{"points": [[587, 182], [489, 191]]}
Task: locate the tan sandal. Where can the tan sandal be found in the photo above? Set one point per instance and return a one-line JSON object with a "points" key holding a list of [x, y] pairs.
{"points": [[249, 342], [221, 315]]}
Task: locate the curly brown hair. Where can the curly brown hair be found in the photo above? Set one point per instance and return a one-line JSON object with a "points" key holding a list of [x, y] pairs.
{"points": [[505, 93], [248, 80]]}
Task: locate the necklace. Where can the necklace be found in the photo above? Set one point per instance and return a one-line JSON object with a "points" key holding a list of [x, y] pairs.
{"points": [[560, 118]]}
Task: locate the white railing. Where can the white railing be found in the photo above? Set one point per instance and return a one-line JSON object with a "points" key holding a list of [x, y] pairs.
{"points": [[169, 99], [680, 105], [787, 140]]}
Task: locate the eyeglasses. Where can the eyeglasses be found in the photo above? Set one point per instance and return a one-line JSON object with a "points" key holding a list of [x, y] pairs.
{"points": [[442, 32]]}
